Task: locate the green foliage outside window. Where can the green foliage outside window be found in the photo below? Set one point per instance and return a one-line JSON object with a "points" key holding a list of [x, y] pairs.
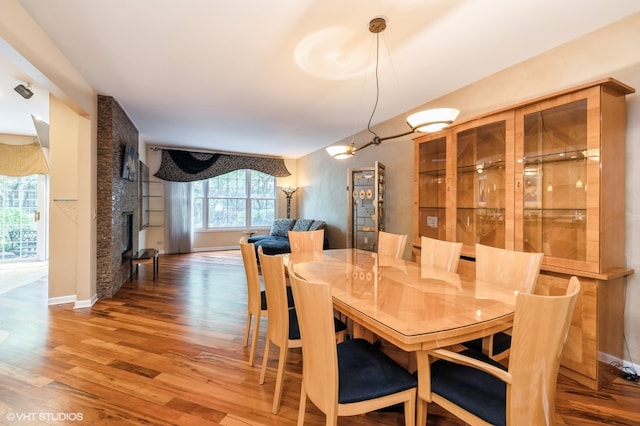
{"points": [[18, 198], [239, 199]]}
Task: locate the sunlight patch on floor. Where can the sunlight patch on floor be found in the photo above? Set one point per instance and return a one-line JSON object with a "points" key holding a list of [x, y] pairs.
{"points": [[13, 275]]}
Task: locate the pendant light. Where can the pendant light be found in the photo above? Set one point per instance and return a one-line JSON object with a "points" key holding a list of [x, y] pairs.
{"points": [[427, 121]]}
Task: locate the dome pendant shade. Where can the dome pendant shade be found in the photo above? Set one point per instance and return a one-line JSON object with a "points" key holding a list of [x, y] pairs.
{"points": [[341, 152], [432, 120]]}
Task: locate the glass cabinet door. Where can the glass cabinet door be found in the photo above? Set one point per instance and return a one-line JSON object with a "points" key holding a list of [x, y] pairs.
{"points": [[556, 178], [366, 211], [432, 170], [481, 179]]}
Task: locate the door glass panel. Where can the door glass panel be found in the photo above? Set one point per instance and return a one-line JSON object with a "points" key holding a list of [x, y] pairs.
{"points": [[481, 185], [18, 210], [555, 181]]}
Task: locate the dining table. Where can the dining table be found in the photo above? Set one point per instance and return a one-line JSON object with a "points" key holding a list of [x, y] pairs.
{"points": [[414, 307]]}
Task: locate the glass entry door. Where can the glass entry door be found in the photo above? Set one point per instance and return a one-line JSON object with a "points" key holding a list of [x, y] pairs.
{"points": [[23, 214]]}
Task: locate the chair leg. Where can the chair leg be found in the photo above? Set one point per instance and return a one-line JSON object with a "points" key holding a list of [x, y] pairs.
{"points": [[246, 330], [410, 411], [487, 346], [421, 412], [265, 358], [331, 419], [277, 394], [254, 340], [303, 406]]}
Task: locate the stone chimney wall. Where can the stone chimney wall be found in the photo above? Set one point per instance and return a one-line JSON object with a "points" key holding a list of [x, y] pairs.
{"points": [[115, 196]]}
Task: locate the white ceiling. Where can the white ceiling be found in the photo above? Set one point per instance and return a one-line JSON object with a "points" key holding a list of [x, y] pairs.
{"points": [[288, 77]]}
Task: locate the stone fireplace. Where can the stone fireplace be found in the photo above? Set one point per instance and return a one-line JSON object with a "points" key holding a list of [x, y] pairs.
{"points": [[127, 235], [117, 199]]}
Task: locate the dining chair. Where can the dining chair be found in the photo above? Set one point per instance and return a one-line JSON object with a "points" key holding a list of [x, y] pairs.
{"points": [[391, 244], [348, 378], [481, 391], [514, 270], [282, 322], [440, 254], [306, 241], [256, 298]]}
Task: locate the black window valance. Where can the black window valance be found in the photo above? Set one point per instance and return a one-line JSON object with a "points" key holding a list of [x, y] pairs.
{"points": [[187, 166]]}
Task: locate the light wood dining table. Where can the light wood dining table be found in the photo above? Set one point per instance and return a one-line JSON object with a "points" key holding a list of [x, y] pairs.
{"points": [[413, 307]]}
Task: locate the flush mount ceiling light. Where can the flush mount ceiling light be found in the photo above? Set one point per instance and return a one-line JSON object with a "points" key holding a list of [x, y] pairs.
{"points": [[24, 91], [428, 121]]}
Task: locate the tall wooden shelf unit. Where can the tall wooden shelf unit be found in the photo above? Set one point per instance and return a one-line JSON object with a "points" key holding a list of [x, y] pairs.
{"points": [[546, 175]]}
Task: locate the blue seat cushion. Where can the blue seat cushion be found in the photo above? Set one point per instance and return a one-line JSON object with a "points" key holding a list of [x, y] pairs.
{"points": [[365, 373], [476, 391], [271, 245], [294, 328], [263, 299], [501, 342], [256, 238]]}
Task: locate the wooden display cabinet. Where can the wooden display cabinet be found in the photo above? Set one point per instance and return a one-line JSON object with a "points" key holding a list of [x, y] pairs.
{"points": [[572, 178], [546, 175], [483, 152], [431, 220]]}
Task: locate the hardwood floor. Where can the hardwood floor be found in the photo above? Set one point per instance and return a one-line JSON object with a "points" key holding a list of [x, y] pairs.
{"points": [[169, 352]]}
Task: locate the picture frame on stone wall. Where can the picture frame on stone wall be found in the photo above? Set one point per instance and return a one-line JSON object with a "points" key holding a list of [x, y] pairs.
{"points": [[130, 163]]}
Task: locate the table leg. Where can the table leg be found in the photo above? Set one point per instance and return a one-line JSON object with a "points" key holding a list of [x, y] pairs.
{"points": [[424, 388]]}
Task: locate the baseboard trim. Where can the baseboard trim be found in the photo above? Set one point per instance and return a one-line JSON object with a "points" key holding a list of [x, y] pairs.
{"points": [[61, 300], [86, 303], [217, 248]]}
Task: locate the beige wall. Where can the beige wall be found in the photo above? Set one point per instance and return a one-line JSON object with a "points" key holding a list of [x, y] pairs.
{"points": [[610, 52], [63, 175], [24, 43]]}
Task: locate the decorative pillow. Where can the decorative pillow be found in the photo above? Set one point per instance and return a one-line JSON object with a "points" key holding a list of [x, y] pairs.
{"points": [[302, 225], [317, 224], [281, 227]]}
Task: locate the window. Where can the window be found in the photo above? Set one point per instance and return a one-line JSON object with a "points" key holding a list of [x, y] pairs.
{"points": [[239, 199], [18, 204]]}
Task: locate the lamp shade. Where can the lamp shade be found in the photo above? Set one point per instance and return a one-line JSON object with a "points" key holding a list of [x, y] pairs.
{"points": [[340, 152], [432, 120]]}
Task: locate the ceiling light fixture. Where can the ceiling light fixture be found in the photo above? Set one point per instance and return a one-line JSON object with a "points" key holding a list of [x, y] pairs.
{"points": [[24, 91], [427, 121]]}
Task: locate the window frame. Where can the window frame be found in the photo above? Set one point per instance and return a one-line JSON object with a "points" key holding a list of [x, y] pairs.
{"points": [[202, 224]]}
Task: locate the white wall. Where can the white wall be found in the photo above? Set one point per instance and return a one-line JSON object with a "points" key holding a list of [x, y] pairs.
{"points": [[610, 52]]}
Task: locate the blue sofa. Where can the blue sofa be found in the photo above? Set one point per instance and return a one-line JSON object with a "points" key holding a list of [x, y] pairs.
{"points": [[277, 241]]}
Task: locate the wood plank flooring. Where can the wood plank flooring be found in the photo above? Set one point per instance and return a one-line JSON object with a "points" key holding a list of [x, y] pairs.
{"points": [[169, 352]]}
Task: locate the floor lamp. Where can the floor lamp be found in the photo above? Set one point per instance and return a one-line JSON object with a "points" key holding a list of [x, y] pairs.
{"points": [[288, 192]]}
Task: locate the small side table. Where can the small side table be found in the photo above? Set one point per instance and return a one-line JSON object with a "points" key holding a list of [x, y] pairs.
{"points": [[147, 256]]}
